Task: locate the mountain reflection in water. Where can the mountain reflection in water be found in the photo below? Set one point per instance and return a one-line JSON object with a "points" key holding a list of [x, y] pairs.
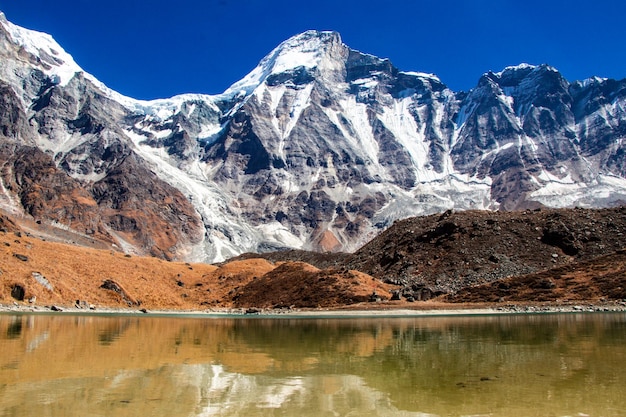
{"points": [[508, 365]]}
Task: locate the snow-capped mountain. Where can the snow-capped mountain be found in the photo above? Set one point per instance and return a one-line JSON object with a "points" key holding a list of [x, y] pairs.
{"points": [[319, 147]]}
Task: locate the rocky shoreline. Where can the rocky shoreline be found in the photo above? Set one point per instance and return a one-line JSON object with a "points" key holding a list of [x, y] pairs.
{"points": [[359, 310]]}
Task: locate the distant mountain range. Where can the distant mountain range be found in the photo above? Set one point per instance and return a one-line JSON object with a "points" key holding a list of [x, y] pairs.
{"points": [[320, 147]]}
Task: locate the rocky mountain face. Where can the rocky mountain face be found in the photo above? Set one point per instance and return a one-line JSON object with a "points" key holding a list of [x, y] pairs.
{"points": [[319, 147]]}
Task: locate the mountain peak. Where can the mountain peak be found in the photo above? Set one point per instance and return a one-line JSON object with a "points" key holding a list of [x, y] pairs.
{"points": [[513, 75], [523, 67], [302, 50], [313, 36], [43, 51], [305, 50]]}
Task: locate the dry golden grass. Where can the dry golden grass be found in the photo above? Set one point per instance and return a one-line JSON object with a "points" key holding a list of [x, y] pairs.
{"points": [[221, 284], [77, 273], [52, 273], [301, 285]]}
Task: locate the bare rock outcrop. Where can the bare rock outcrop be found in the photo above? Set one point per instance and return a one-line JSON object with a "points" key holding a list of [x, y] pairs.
{"points": [[445, 253]]}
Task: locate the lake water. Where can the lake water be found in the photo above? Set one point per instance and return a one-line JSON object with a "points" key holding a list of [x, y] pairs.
{"points": [[501, 365]]}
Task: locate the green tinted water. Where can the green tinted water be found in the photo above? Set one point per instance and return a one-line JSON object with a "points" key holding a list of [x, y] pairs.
{"points": [[509, 365]]}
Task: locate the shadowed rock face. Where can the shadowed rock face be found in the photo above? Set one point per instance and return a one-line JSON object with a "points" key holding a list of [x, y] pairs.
{"points": [[12, 119], [45, 192], [149, 211], [130, 201], [322, 152]]}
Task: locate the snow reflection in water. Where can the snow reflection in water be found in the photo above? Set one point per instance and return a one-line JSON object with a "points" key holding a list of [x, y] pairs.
{"points": [[506, 365]]}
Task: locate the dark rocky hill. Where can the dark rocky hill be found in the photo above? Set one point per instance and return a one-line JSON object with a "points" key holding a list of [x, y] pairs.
{"points": [[598, 280], [444, 253]]}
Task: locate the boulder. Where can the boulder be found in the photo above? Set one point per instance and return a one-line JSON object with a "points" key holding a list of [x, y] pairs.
{"points": [[18, 292]]}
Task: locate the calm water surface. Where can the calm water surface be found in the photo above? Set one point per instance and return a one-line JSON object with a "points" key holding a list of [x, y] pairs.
{"points": [[509, 365]]}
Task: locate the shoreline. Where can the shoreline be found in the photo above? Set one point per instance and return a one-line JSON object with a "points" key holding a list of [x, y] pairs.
{"points": [[382, 310]]}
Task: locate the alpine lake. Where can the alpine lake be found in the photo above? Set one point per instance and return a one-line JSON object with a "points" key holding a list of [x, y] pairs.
{"points": [[571, 364]]}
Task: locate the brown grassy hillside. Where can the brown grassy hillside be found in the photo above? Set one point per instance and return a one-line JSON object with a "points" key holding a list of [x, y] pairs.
{"points": [[554, 256], [56, 273], [297, 284], [51, 273]]}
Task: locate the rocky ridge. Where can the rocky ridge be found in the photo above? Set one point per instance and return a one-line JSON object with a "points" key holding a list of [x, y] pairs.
{"points": [[441, 254]]}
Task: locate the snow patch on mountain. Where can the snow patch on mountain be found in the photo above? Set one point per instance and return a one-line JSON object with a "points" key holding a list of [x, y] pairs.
{"points": [[357, 130], [304, 50], [54, 61], [606, 190], [426, 75], [297, 100]]}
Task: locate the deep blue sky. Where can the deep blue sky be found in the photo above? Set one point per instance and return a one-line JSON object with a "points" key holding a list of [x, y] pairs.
{"points": [[158, 48]]}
